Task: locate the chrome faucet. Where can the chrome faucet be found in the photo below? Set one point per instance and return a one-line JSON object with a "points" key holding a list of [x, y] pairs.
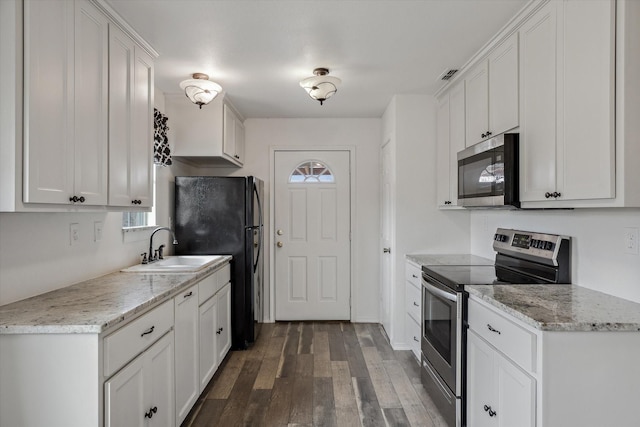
{"points": [[152, 257]]}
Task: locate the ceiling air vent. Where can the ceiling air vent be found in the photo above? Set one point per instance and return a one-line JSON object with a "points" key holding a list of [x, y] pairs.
{"points": [[447, 74]]}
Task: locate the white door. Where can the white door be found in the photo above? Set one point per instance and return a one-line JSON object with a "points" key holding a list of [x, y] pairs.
{"points": [[386, 262], [312, 235]]}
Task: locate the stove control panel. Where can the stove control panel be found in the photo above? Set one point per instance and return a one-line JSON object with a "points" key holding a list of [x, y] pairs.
{"points": [[539, 247]]}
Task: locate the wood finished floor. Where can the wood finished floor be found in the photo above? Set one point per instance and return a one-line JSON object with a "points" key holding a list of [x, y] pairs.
{"points": [[317, 374]]}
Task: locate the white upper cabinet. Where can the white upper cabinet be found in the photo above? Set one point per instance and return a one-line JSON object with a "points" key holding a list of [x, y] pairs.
{"points": [[492, 93], [567, 142], [130, 122], [212, 135], [450, 140], [66, 101]]}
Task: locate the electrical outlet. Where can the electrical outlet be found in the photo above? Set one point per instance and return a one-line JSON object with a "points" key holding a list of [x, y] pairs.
{"points": [[74, 233], [631, 240], [97, 231]]}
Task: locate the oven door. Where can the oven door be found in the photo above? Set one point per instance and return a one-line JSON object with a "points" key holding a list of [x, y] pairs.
{"points": [[441, 334]]}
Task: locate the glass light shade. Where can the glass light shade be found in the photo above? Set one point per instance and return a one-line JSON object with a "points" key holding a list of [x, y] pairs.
{"points": [[200, 91], [321, 88]]}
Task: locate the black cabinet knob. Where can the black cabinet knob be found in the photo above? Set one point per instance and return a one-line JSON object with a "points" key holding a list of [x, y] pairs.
{"points": [[547, 195], [76, 199], [484, 135], [151, 412], [489, 133]]}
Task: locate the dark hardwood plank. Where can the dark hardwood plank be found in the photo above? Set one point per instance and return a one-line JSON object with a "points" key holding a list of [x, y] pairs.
{"points": [[277, 412], [224, 383], [324, 408], [305, 346], [267, 374], [368, 407], [357, 365], [287, 367], [304, 365], [292, 339], [239, 396], [209, 413], [336, 343], [364, 334], [274, 347], [387, 397], [254, 412], [280, 329], [381, 342], [396, 417], [302, 401]]}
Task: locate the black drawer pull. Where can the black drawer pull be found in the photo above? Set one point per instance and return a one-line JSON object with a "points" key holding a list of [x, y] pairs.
{"points": [[492, 329], [416, 339], [148, 331], [416, 304], [219, 331], [188, 295]]}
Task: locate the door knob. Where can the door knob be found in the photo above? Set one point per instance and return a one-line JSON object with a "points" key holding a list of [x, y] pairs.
{"points": [[279, 244], [386, 250], [279, 233]]}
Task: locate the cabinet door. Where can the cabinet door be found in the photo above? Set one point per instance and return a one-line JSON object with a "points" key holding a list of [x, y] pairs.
{"points": [[239, 141], [442, 154], [477, 100], [516, 395], [186, 334], [121, 54], [91, 71], [208, 341], [142, 127], [223, 331], [48, 101], [159, 383], [538, 104], [503, 86], [229, 132], [124, 402], [586, 153], [480, 382]]}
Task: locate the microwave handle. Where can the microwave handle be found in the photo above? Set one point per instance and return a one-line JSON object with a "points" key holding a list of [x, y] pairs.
{"points": [[439, 292]]}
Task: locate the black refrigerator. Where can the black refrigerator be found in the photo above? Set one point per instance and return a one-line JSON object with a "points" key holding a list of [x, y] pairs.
{"points": [[223, 216]]}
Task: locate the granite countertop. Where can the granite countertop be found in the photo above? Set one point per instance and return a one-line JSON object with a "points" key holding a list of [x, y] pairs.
{"points": [[561, 307], [93, 306], [449, 259]]}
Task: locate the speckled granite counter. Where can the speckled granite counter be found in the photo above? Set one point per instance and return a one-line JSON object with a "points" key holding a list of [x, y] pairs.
{"points": [[561, 307], [449, 259], [95, 305]]}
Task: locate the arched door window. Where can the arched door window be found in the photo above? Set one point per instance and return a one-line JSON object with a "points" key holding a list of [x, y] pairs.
{"points": [[311, 172]]}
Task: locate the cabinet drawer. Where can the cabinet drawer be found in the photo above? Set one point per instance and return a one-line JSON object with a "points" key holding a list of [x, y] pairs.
{"points": [[512, 340], [413, 335], [130, 340], [213, 283], [413, 299], [413, 273], [207, 287]]}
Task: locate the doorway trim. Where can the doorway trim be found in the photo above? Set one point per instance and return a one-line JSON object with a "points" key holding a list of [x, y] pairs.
{"points": [[352, 215]]}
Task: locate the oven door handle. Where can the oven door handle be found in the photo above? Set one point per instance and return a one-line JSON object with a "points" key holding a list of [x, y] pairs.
{"points": [[439, 292]]}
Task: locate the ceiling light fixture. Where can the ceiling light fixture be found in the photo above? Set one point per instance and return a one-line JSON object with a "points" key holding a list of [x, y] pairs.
{"points": [[200, 90], [321, 86]]}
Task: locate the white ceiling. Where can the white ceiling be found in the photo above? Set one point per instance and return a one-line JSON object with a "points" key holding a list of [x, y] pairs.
{"points": [[259, 50]]}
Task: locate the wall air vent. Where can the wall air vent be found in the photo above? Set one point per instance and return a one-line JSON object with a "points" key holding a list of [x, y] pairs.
{"points": [[447, 74]]}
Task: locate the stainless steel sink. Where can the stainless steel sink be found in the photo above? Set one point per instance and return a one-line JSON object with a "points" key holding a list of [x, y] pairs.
{"points": [[176, 264]]}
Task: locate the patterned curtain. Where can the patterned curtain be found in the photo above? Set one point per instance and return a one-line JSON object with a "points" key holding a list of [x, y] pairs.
{"points": [[161, 149]]}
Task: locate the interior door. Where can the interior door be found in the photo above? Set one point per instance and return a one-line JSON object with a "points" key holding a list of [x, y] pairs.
{"points": [[312, 235]]}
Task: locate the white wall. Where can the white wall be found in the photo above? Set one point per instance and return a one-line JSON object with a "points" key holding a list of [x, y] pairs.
{"points": [[36, 256], [364, 135], [598, 258]]}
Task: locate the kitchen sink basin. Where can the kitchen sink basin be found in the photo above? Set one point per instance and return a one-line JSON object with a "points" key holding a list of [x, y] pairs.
{"points": [[175, 264]]}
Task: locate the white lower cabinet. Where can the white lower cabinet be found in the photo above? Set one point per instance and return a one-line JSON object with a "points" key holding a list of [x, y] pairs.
{"points": [[498, 392], [141, 394], [187, 350], [413, 303], [215, 332]]}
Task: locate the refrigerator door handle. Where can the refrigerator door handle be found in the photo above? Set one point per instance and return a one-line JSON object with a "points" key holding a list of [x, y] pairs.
{"points": [[255, 190]]}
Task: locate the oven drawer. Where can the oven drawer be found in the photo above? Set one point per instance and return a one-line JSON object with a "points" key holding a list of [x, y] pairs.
{"points": [[413, 274], [512, 340]]}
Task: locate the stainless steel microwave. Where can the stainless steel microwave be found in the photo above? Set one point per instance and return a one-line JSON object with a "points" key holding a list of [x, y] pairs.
{"points": [[488, 173]]}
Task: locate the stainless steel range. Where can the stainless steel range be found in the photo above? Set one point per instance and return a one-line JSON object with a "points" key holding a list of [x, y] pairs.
{"points": [[522, 257]]}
